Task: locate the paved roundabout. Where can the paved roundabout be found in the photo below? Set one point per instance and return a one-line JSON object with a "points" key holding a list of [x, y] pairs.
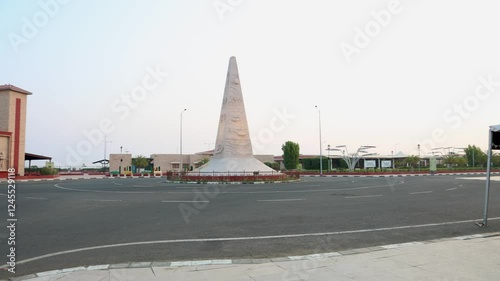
{"points": [[71, 223]]}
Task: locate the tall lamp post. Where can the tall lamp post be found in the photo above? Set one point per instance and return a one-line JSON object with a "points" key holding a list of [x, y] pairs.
{"points": [[419, 158], [395, 153], [121, 161], [329, 160], [180, 156], [320, 144], [105, 161], [473, 160]]}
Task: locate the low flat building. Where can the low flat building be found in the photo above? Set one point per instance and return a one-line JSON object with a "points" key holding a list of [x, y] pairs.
{"points": [[122, 163]]}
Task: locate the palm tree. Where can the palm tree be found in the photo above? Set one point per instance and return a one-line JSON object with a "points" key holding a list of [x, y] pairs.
{"points": [[412, 160], [140, 162]]}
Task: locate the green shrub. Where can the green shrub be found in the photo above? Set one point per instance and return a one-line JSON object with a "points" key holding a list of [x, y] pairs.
{"points": [[47, 171], [313, 163]]}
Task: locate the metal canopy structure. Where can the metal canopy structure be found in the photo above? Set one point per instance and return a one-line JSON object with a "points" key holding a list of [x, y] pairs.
{"points": [[103, 162], [493, 144], [31, 156], [353, 158]]}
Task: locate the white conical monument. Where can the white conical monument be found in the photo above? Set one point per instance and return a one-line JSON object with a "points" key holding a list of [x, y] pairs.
{"points": [[233, 147]]}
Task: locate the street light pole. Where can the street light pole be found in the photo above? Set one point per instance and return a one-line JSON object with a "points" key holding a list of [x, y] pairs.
{"points": [[473, 160], [121, 161], [180, 156], [320, 144], [105, 141], [395, 153], [329, 160], [419, 158]]}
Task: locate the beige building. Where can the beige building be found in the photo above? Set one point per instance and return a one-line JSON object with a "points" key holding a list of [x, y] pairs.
{"points": [[13, 102], [171, 162], [122, 163]]}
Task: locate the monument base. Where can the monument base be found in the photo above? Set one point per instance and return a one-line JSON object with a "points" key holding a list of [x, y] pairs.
{"points": [[222, 179], [234, 166], [233, 170]]}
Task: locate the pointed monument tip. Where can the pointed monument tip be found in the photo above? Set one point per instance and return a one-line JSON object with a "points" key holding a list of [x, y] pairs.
{"points": [[232, 58]]}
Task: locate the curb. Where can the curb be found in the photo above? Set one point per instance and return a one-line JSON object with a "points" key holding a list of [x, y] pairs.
{"points": [[396, 175], [86, 178], [234, 182], [177, 264]]}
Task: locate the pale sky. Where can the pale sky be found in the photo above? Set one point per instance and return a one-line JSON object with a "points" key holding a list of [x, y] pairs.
{"points": [[392, 74]]}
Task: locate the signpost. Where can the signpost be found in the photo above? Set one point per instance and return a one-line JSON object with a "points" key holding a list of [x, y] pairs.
{"points": [[493, 144]]}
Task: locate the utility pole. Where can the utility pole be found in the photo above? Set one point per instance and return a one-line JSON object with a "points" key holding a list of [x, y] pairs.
{"points": [[419, 158], [121, 161], [320, 144], [180, 156], [329, 160], [105, 161]]}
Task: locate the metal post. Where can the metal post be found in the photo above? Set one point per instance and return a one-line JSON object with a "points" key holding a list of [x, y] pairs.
{"points": [[473, 160], [329, 160], [180, 156], [121, 161], [320, 145], [105, 146], [419, 158], [488, 171]]}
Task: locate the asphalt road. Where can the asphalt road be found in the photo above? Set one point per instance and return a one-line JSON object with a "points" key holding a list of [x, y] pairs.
{"points": [[152, 220]]}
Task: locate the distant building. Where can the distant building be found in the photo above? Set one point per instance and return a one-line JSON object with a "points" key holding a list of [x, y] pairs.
{"points": [[122, 163]]}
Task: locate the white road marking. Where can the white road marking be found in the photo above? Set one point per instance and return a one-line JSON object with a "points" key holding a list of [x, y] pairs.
{"points": [[453, 188], [280, 200], [421, 192], [395, 246], [103, 200], [493, 178], [186, 201], [3, 194], [101, 191], [366, 196], [232, 192], [245, 238], [36, 198], [98, 267], [200, 262]]}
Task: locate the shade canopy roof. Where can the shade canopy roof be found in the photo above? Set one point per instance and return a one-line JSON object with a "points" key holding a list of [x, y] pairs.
{"points": [[31, 156]]}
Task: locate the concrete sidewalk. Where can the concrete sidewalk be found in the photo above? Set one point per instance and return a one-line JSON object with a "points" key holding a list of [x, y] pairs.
{"points": [[475, 257]]}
